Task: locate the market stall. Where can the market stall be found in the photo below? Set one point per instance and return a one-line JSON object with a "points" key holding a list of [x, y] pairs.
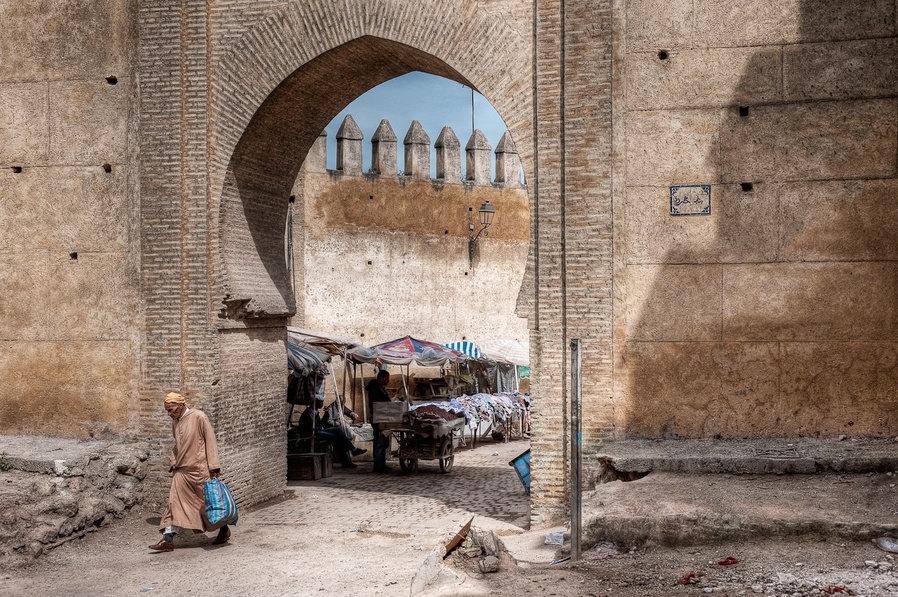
{"points": [[403, 352], [426, 434]]}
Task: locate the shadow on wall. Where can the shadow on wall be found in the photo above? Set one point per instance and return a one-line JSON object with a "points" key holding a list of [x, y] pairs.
{"points": [[774, 315]]}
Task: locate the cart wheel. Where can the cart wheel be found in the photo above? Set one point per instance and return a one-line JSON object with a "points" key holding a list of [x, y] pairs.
{"points": [[446, 454], [408, 465]]}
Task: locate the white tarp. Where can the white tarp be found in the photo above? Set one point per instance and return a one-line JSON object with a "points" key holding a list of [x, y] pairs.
{"points": [[506, 350]]}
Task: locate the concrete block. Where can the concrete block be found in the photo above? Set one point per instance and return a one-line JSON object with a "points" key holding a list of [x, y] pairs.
{"points": [[856, 139], [841, 70], [810, 301], [71, 389], [748, 221], [23, 128], [703, 78], [840, 221], [25, 313], [65, 209], [758, 22], [673, 302]]}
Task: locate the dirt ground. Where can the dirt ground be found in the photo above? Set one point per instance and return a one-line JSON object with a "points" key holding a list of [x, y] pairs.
{"points": [[363, 534], [768, 567]]}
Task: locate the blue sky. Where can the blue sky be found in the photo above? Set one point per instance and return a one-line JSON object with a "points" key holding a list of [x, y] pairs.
{"points": [[433, 101]]}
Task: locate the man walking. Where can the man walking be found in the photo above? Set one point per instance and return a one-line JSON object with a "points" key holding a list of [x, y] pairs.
{"points": [[194, 460]]}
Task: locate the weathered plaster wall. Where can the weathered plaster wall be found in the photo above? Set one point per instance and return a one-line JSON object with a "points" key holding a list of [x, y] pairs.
{"points": [[776, 314], [69, 318], [387, 256]]}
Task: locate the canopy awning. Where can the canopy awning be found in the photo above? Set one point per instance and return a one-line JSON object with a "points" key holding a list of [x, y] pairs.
{"points": [[506, 350], [466, 348], [407, 350], [329, 343], [305, 360]]}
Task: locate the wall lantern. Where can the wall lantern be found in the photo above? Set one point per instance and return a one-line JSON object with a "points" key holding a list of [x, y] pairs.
{"points": [[487, 213]]}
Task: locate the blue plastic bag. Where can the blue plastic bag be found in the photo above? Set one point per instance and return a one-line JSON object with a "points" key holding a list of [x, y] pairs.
{"points": [[221, 509]]}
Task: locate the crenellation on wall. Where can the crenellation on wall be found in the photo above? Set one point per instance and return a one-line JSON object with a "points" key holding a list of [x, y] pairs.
{"points": [[477, 158], [383, 150], [417, 151], [349, 147], [448, 156], [416, 155], [316, 159], [508, 162]]}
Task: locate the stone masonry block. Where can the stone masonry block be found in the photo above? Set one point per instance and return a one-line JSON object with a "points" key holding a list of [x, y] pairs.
{"points": [[840, 221], [85, 392], [856, 139], [673, 147], [23, 277], [23, 128], [654, 236], [65, 209], [759, 22], [810, 301], [841, 70], [89, 122], [91, 297], [835, 388], [66, 40], [673, 302], [653, 26], [703, 78], [697, 389]]}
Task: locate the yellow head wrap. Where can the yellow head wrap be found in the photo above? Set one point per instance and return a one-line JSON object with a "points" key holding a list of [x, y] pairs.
{"points": [[174, 397]]}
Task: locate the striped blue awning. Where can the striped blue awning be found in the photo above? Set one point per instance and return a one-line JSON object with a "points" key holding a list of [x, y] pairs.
{"points": [[466, 348]]}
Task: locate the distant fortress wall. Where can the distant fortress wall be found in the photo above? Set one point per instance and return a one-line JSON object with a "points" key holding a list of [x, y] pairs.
{"points": [[416, 151], [388, 252]]}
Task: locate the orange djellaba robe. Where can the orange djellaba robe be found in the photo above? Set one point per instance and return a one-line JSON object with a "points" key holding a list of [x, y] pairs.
{"points": [[195, 453]]}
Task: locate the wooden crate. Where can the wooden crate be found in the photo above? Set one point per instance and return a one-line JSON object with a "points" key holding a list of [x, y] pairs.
{"points": [[303, 467]]}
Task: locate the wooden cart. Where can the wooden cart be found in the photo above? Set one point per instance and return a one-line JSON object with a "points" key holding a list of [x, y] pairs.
{"points": [[425, 440]]}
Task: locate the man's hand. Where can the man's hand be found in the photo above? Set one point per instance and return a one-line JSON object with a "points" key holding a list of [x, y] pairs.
{"points": [[215, 473]]}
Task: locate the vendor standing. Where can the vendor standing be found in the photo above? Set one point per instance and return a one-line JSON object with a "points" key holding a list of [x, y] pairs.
{"points": [[377, 392]]}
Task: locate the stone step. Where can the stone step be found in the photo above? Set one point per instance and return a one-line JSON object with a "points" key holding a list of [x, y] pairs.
{"points": [[764, 456], [690, 493]]}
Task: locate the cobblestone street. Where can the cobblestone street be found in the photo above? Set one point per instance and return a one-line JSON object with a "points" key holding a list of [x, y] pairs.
{"points": [[355, 533]]}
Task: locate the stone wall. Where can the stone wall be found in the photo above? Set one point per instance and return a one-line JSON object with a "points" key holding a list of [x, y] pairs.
{"points": [[381, 255], [69, 320], [148, 153], [772, 314]]}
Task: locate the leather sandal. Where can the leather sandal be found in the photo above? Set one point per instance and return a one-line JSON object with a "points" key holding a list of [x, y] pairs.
{"points": [[223, 536], [163, 545]]}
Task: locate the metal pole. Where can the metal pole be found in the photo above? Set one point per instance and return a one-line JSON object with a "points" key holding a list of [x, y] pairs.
{"points": [[576, 393]]}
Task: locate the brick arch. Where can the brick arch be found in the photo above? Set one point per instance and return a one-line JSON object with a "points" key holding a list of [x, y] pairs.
{"points": [[286, 91], [275, 78]]}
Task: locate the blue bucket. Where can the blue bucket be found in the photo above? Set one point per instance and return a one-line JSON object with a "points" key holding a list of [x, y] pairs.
{"points": [[521, 465]]}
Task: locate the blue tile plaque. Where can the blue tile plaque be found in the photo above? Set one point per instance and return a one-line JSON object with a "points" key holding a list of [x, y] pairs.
{"points": [[690, 200]]}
